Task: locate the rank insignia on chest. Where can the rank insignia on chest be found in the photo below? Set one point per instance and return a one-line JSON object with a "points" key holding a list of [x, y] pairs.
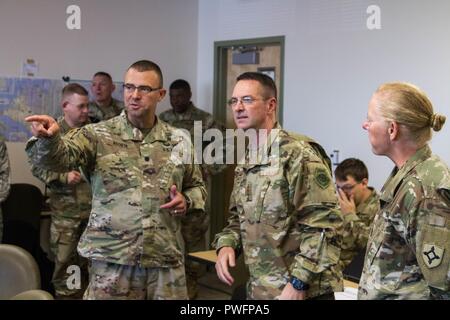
{"points": [[432, 255]]}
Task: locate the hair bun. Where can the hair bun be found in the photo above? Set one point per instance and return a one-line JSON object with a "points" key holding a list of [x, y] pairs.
{"points": [[437, 121]]}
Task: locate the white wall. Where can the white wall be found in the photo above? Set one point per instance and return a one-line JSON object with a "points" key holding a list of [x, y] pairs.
{"points": [[333, 63], [114, 34]]}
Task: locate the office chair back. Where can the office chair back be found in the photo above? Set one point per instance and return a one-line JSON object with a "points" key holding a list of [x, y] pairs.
{"points": [[21, 217], [22, 223], [19, 271], [33, 295]]}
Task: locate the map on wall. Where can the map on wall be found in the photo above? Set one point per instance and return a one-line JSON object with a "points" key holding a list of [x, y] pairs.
{"points": [[21, 97]]}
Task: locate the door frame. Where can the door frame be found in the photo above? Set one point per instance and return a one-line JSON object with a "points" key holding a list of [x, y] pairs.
{"points": [[217, 220], [220, 71]]}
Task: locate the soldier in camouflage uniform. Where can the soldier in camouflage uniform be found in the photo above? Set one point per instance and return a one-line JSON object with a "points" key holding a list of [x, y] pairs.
{"points": [[143, 181], [194, 226], [70, 200], [283, 209], [359, 203], [4, 179], [408, 252], [183, 115], [104, 106]]}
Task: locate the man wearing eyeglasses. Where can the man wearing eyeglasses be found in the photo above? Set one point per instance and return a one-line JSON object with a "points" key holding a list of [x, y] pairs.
{"points": [[104, 106], [359, 204], [284, 215], [143, 181], [183, 115]]}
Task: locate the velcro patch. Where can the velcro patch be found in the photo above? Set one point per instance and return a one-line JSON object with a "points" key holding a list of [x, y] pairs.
{"points": [[322, 178], [432, 255], [436, 220]]}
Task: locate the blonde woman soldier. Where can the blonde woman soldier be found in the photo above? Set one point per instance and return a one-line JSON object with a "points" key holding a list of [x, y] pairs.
{"points": [[408, 251]]}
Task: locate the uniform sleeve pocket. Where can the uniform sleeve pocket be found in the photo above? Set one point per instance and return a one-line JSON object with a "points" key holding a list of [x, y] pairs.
{"points": [[433, 256], [318, 253], [317, 188]]}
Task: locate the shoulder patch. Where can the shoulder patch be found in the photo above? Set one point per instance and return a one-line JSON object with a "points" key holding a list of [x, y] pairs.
{"points": [[432, 255], [321, 178]]}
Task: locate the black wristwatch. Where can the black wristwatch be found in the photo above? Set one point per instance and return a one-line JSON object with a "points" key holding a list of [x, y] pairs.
{"points": [[298, 284]]}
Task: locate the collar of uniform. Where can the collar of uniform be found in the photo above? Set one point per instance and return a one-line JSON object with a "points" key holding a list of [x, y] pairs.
{"points": [[273, 135], [159, 132], [264, 155], [63, 124], [371, 199], [130, 132], [115, 105], [397, 175], [191, 108], [101, 108], [186, 114]]}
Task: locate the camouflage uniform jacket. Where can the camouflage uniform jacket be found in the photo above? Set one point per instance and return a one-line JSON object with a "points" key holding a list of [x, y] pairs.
{"points": [[98, 113], [408, 252], [57, 182], [284, 216], [186, 120], [320, 151], [130, 177], [357, 228], [4, 179]]}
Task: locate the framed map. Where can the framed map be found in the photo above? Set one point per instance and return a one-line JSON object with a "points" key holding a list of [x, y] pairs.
{"points": [[22, 97]]}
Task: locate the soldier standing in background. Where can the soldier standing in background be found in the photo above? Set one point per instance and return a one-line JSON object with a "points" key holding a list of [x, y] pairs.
{"points": [[195, 225], [408, 252], [104, 106], [359, 203], [142, 184], [69, 200], [283, 209], [5, 182]]}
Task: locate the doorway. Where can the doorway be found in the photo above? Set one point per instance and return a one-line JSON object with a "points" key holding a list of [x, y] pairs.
{"points": [[231, 58]]}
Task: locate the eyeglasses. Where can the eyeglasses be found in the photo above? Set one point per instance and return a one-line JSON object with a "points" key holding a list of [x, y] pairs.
{"points": [[347, 187], [246, 101], [141, 89]]}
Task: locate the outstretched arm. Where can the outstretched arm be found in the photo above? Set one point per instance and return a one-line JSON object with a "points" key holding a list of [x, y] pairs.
{"points": [[48, 150]]}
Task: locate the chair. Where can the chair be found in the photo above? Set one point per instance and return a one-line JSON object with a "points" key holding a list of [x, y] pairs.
{"points": [[19, 271], [21, 216], [33, 295], [21, 226]]}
